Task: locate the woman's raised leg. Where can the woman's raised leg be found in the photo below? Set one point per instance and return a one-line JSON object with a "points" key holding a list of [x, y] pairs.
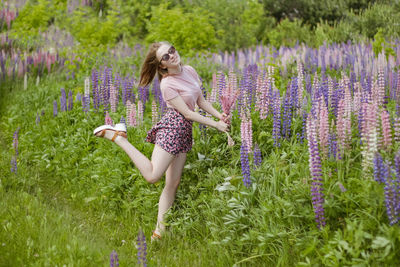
{"points": [[172, 180], [152, 170]]}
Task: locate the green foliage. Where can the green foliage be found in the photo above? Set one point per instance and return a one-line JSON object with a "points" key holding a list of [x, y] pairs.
{"points": [[381, 45], [34, 18], [340, 32], [378, 16], [190, 32], [97, 33], [288, 33]]}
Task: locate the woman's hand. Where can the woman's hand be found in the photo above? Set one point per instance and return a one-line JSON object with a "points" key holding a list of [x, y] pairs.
{"points": [[222, 126], [226, 118]]}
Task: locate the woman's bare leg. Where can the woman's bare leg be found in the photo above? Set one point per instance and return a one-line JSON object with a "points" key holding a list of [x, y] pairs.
{"points": [[172, 180], [152, 170]]}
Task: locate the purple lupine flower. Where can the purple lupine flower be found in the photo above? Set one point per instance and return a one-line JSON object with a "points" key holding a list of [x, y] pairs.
{"points": [[316, 173], [277, 118], [257, 156], [142, 248], [392, 195], [78, 97], [397, 164], [203, 113], [342, 188], [14, 165], [332, 146], [122, 120], [379, 168], [15, 141], [70, 100], [95, 89], [114, 261], [55, 108], [287, 115], [244, 159], [37, 118], [63, 100]]}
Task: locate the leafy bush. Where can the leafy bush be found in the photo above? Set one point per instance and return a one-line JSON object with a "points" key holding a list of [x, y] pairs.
{"points": [[189, 31], [288, 33], [97, 33]]}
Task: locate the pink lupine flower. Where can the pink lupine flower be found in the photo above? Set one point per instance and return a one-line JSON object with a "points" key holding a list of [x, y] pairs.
{"points": [[246, 130], [113, 98], [323, 127], [396, 126], [229, 95], [128, 112], [132, 115], [140, 112], [212, 98], [386, 130], [154, 112], [108, 119]]}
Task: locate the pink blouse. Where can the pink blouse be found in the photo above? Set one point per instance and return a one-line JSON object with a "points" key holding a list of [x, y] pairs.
{"points": [[185, 84]]}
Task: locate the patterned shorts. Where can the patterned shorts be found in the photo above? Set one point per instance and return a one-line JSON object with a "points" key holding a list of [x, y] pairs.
{"points": [[173, 133]]}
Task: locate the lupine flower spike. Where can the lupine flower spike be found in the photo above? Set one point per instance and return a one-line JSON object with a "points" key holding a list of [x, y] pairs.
{"points": [[114, 261], [142, 249]]}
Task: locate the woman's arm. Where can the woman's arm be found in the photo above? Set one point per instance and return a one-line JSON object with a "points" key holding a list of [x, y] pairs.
{"points": [[208, 107], [180, 105]]}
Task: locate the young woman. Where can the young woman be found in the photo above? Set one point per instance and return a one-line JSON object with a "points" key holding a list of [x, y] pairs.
{"points": [[172, 135]]}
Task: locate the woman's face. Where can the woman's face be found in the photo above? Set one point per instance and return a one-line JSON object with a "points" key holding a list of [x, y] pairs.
{"points": [[168, 56]]}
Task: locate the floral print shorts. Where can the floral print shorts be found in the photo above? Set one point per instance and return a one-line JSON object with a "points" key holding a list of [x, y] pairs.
{"points": [[173, 133]]}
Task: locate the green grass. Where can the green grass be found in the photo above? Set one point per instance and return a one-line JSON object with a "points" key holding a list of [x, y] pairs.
{"points": [[77, 198]]}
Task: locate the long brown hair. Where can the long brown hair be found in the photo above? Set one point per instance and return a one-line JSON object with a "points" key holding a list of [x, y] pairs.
{"points": [[151, 66]]}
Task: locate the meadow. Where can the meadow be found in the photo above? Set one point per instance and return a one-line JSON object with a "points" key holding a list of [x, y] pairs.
{"points": [[312, 179]]}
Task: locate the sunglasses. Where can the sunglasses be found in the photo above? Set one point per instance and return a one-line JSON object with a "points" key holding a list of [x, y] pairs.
{"points": [[171, 51]]}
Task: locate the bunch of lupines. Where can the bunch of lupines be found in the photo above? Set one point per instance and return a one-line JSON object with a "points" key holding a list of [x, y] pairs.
{"points": [[108, 120], [140, 110], [63, 100], [142, 248], [244, 160], [229, 94], [316, 173], [276, 108], [114, 261], [154, 112], [257, 156]]}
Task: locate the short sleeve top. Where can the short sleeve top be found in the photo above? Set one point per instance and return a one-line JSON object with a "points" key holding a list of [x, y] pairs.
{"points": [[185, 84]]}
